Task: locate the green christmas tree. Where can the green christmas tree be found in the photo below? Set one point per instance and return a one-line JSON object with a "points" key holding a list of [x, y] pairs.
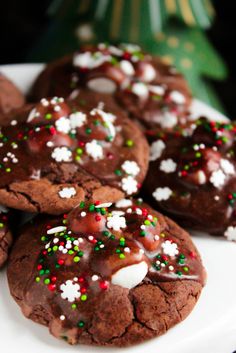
{"points": [[173, 29]]}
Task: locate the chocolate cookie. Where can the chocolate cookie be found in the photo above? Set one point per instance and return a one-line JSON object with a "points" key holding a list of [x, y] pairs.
{"points": [[56, 154], [151, 91], [5, 235], [106, 275], [192, 176], [10, 96]]}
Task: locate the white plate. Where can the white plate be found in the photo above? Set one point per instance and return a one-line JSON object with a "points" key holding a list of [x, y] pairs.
{"points": [[210, 328]]}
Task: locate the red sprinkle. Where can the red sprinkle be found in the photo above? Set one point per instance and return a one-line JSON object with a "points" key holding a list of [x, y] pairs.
{"points": [[103, 285], [51, 287]]}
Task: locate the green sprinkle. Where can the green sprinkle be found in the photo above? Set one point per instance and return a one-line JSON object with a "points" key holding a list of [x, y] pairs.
{"points": [[121, 256], [48, 116], [80, 323], [118, 172], [91, 208], [88, 131], [83, 297], [47, 281], [129, 143], [37, 279], [76, 259]]}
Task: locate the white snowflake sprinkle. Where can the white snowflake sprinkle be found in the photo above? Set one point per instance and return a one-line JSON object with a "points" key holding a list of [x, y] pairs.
{"points": [[170, 248], [62, 154], [161, 194], [230, 233], [94, 150], [77, 119], [116, 222], [226, 166], [131, 167], [67, 192], [156, 150], [129, 185], [168, 165], [63, 125], [70, 291], [217, 178]]}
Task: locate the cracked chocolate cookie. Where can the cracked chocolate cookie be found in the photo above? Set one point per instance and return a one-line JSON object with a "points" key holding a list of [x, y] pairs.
{"points": [[192, 176], [10, 96], [5, 235], [56, 154], [151, 91], [106, 274]]}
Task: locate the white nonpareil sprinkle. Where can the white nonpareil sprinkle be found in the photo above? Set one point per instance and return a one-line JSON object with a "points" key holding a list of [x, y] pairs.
{"points": [[67, 192], [94, 150], [129, 185], [77, 119], [230, 233], [62, 154], [49, 144], [123, 203], [70, 291], [168, 166], [94, 278], [217, 178], [131, 167], [156, 150], [127, 67], [162, 194], [62, 317], [56, 230], [170, 248], [140, 89], [63, 125]]}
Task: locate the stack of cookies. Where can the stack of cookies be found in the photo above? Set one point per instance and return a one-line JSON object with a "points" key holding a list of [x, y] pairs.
{"points": [[104, 143]]}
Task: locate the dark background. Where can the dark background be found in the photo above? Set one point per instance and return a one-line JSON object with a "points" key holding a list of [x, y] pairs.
{"points": [[23, 21]]}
